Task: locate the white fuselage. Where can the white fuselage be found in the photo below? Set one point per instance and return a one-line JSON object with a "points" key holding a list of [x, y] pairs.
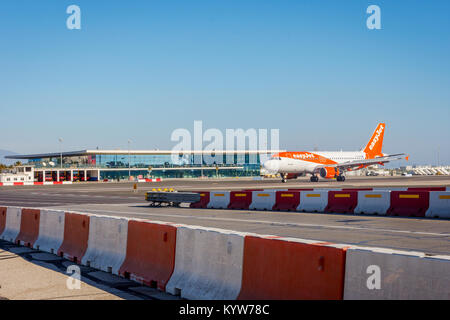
{"points": [[306, 162]]}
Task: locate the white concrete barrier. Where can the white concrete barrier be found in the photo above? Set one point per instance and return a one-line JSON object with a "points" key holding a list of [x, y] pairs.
{"points": [[313, 201], [12, 226], [51, 231], [376, 273], [107, 243], [208, 264], [439, 204], [373, 202], [219, 199], [262, 200]]}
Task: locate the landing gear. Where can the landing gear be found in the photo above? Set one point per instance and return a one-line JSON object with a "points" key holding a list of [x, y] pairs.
{"points": [[283, 178], [340, 178], [314, 179]]}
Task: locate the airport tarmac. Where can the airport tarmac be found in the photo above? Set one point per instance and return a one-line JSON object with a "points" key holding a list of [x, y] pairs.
{"points": [[431, 236]]}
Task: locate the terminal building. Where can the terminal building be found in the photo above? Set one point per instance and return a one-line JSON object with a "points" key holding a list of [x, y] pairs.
{"points": [[101, 165]]}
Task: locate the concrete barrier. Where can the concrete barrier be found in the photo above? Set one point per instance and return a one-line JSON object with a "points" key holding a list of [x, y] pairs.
{"points": [[439, 205], [291, 269], [409, 203], [150, 256], [29, 227], [76, 235], [2, 219], [107, 244], [240, 200], [341, 201], [286, 200], [208, 264], [402, 275], [204, 200], [262, 200], [373, 202], [12, 225], [313, 201], [219, 200], [51, 231]]}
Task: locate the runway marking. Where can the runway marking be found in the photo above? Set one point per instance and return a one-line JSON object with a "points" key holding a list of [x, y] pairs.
{"points": [[275, 223]]}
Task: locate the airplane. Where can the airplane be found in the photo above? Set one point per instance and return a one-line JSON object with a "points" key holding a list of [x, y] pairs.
{"points": [[330, 165]]}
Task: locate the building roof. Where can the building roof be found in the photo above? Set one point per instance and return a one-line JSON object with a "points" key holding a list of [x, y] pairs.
{"points": [[135, 152]]}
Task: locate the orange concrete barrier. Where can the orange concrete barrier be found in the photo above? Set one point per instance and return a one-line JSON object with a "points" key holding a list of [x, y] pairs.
{"points": [[2, 219], [150, 257], [409, 203], [240, 200], [204, 200], [291, 269], [342, 201], [76, 235], [286, 200], [29, 227]]}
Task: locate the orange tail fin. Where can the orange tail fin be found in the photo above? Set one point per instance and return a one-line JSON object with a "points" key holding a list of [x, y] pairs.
{"points": [[373, 148]]}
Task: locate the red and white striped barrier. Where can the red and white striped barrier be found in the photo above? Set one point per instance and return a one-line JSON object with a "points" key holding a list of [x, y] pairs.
{"points": [[207, 263], [419, 202], [150, 180], [47, 183]]}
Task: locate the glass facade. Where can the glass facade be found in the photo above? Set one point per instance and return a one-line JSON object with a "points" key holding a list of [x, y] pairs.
{"points": [[118, 165]]}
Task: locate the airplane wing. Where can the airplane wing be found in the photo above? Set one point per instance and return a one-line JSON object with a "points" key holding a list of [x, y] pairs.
{"points": [[343, 166]]}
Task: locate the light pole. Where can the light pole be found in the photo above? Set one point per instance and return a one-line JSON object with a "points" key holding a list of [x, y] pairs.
{"points": [[60, 150], [438, 151], [129, 162]]}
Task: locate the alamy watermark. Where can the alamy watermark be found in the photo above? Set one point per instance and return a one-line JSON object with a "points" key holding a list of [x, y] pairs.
{"points": [[374, 20], [213, 147], [374, 280], [73, 282], [73, 22]]}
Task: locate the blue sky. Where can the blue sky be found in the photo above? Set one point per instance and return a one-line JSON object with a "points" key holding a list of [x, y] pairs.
{"points": [[141, 69]]}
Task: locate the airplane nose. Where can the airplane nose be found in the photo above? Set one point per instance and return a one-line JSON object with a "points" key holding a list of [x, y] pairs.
{"points": [[271, 166]]}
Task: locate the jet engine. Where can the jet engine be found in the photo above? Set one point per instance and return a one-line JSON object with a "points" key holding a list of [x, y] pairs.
{"points": [[328, 172]]}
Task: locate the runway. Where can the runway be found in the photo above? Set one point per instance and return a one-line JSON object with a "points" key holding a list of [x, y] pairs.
{"points": [[431, 236]]}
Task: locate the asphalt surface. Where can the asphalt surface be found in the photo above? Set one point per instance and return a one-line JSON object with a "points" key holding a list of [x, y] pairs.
{"points": [[431, 236], [28, 274]]}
